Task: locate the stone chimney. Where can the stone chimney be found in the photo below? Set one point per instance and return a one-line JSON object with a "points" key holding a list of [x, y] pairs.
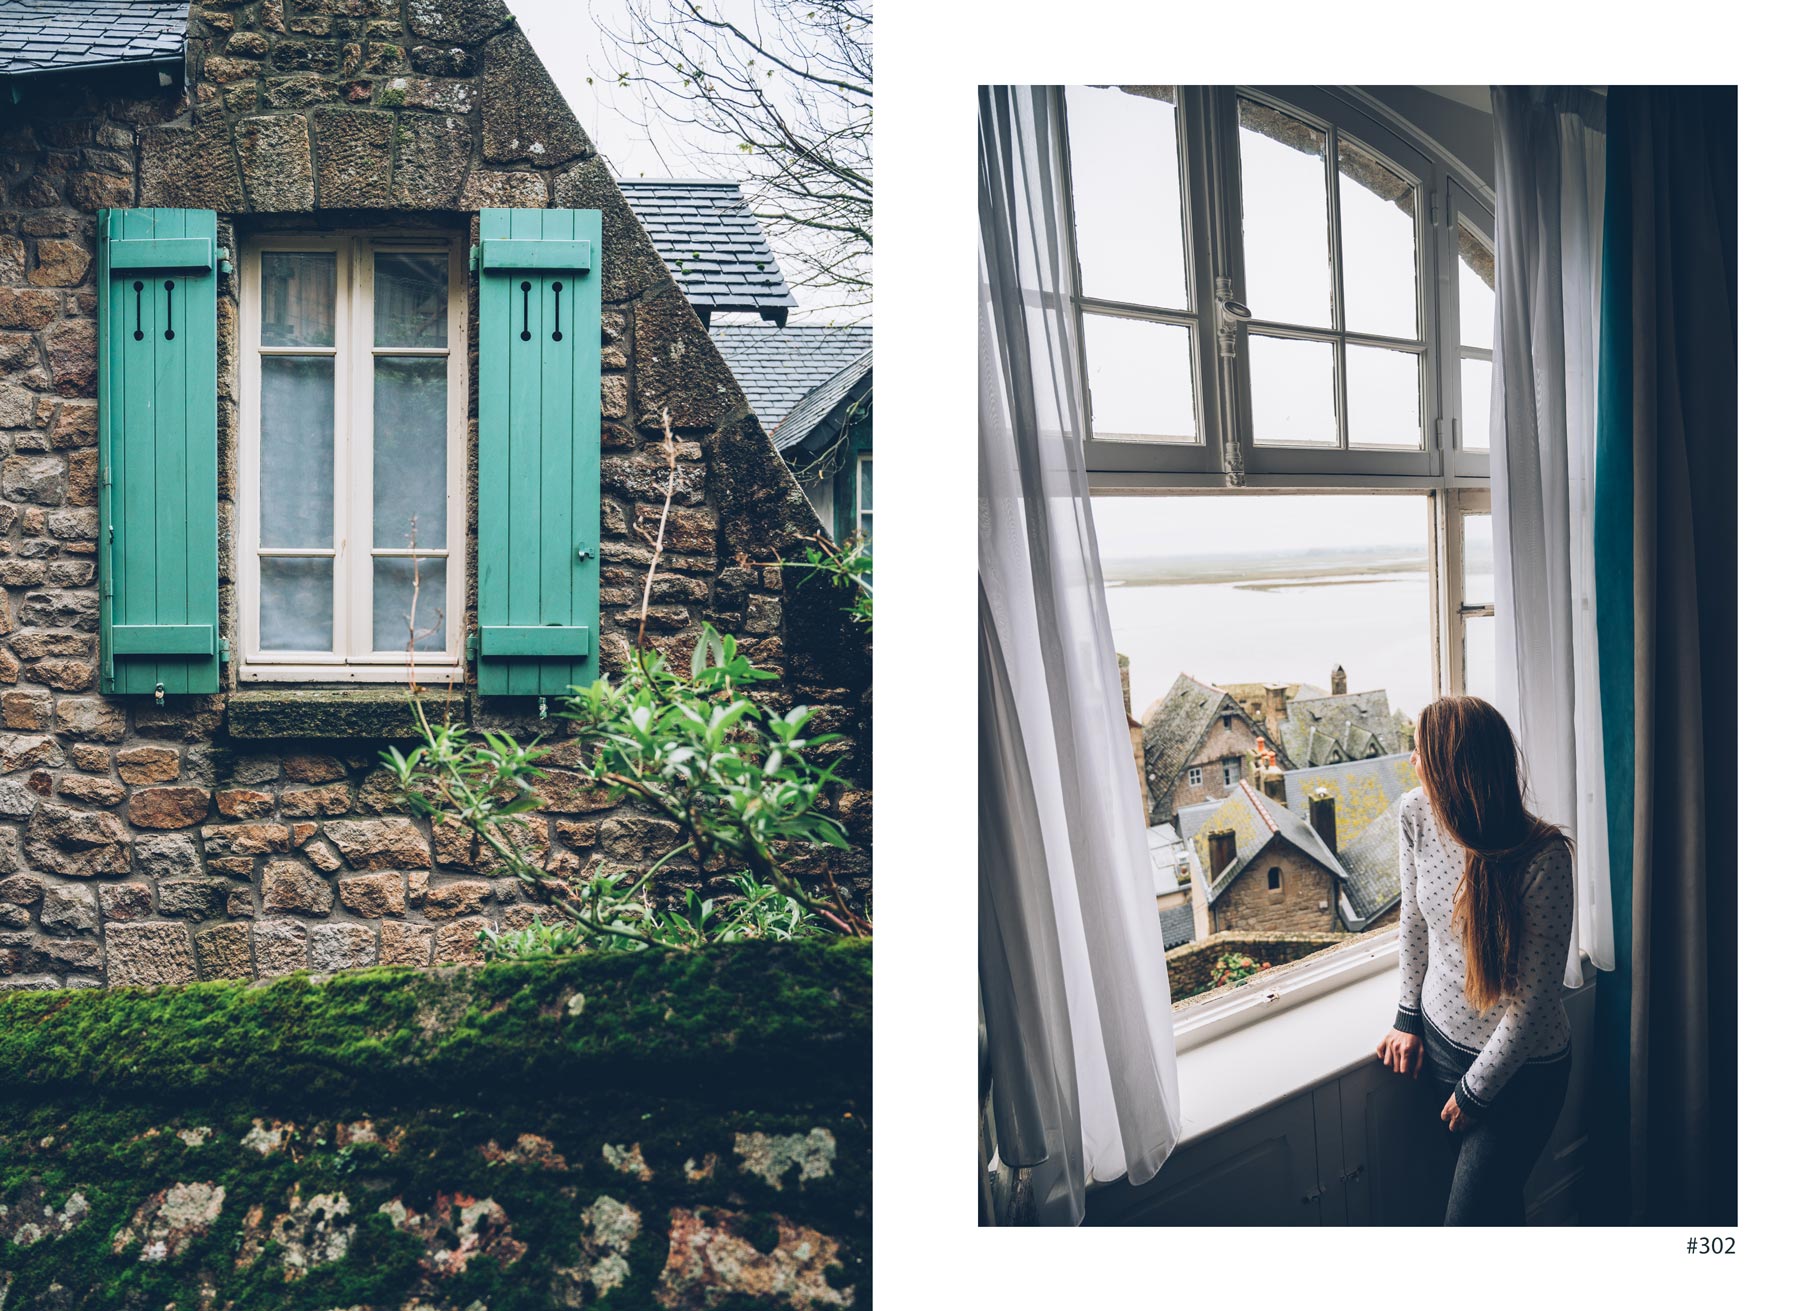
{"points": [[1136, 730], [1275, 701], [1221, 850], [1270, 780], [1340, 682], [1125, 680], [1321, 813]]}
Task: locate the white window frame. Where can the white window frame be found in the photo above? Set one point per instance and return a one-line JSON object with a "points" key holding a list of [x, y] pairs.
{"points": [[1455, 480], [1196, 776], [352, 658], [1224, 451], [1230, 767], [865, 510]]}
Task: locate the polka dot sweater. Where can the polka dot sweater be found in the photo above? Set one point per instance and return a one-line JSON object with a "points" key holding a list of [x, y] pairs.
{"points": [[1531, 1026]]}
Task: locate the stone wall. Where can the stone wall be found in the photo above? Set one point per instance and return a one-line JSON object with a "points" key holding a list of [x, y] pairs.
{"points": [[1249, 905], [1190, 967], [251, 833], [621, 1131]]}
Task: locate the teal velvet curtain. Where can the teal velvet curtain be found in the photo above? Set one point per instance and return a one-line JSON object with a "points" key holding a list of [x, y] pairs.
{"points": [[1663, 1119]]}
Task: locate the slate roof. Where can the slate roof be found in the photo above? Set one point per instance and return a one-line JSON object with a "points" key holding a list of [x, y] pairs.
{"points": [[1258, 821], [54, 36], [712, 244], [1177, 925], [822, 415], [1173, 728], [1372, 868], [777, 367], [1326, 729], [1363, 790]]}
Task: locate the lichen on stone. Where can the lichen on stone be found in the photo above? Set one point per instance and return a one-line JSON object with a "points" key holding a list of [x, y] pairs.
{"points": [[770, 1157]]}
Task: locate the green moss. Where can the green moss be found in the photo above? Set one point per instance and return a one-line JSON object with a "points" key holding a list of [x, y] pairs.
{"points": [[671, 1056]]}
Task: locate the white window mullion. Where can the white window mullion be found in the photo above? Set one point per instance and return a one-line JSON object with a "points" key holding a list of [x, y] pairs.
{"points": [[357, 497]]}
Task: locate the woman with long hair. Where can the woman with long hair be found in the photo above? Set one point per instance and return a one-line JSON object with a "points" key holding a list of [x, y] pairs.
{"points": [[1487, 902]]}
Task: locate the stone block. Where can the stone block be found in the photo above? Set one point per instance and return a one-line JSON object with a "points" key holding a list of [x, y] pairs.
{"points": [[354, 151], [279, 946], [277, 162], [224, 952], [373, 895], [344, 947], [168, 807], [405, 944], [289, 885], [149, 954]]}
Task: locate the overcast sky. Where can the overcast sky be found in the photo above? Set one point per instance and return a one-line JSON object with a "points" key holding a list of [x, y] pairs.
{"points": [[566, 35], [1129, 526]]}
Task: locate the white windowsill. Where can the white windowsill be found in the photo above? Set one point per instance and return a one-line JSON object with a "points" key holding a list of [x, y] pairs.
{"points": [[396, 675]]}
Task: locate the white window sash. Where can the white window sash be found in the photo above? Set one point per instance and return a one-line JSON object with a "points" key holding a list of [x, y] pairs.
{"points": [[352, 657]]}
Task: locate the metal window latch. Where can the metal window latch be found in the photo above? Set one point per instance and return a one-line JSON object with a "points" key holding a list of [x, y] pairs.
{"points": [[543, 708], [1312, 1197], [1351, 1176], [583, 551], [159, 694]]}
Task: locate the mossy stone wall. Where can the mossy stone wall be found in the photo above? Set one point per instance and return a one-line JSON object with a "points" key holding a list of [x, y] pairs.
{"points": [[650, 1131]]}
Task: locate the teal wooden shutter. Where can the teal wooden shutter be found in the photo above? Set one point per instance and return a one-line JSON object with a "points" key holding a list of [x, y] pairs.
{"points": [[159, 453], [538, 451]]}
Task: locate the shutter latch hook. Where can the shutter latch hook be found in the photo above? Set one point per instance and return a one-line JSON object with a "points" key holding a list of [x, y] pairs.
{"points": [[543, 708], [159, 694]]}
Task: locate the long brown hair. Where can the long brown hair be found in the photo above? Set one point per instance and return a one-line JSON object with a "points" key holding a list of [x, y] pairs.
{"points": [[1470, 766]]}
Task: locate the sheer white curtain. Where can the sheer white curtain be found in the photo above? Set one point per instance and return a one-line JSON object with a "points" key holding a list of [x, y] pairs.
{"points": [[1072, 965], [1550, 186]]}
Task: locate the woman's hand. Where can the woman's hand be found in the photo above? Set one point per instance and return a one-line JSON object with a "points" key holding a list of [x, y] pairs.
{"points": [[1452, 1115], [1403, 1053]]}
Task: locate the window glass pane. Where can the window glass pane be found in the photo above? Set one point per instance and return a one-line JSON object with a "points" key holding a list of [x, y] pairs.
{"points": [[412, 300], [297, 440], [299, 299], [1377, 206], [1478, 559], [1126, 177], [866, 474], [295, 614], [1140, 379], [1474, 288], [411, 450], [1287, 246], [1292, 393], [1383, 397], [394, 612], [1477, 403], [1272, 600], [1478, 656]]}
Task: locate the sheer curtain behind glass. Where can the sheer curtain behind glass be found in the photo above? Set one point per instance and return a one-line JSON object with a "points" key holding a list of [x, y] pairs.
{"points": [[1073, 984], [1550, 158]]}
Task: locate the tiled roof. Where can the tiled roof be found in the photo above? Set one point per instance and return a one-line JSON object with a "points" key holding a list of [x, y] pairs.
{"points": [[1372, 866], [1327, 729], [1362, 789], [821, 414], [1177, 925], [1166, 851], [1257, 821], [777, 367], [712, 244], [52, 36]]}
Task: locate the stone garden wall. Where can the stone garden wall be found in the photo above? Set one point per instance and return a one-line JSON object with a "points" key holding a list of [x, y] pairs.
{"points": [[1190, 967], [617, 1132], [250, 833]]}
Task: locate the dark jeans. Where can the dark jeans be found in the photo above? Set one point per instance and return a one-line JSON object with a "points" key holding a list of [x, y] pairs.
{"points": [[1492, 1160]]}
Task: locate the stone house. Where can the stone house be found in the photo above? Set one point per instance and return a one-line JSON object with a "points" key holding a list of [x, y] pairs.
{"points": [[1261, 868], [306, 305], [1199, 744], [1359, 802]]}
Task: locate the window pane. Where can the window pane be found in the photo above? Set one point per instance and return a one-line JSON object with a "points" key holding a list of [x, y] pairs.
{"points": [[1126, 177], [296, 605], [299, 299], [1478, 559], [866, 474], [411, 450], [1475, 288], [1292, 393], [412, 300], [1477, 403], [1287, 246], [298, 437], [1383, 397], [1478, 656], [1140, 379], [395, 614], [1379, 244]]}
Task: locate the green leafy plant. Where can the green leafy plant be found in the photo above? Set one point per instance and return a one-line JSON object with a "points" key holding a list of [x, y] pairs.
{"points": [[850, 566], [1235, 967], [741, 782]]}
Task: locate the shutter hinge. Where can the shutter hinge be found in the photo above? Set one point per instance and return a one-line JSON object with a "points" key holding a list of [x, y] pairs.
{"points": [[225, 652], [472, 644], [475, 258], [1438, 429], [1435, 219]]}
